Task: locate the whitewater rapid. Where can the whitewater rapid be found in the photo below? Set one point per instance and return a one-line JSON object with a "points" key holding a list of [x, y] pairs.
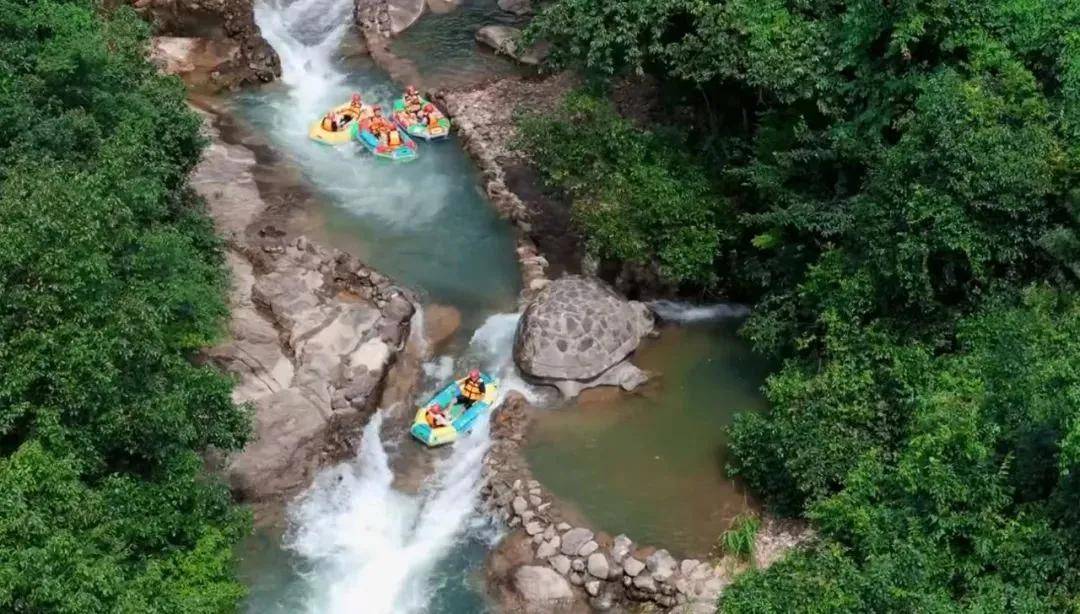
{"points": [[371, 548], [362, 545]]}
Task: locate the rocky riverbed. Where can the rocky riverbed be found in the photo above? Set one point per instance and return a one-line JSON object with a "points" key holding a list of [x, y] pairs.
{"points": [[314, 334]]}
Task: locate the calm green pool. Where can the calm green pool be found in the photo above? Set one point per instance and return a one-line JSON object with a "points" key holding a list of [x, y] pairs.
{"points": [[650, 463]]}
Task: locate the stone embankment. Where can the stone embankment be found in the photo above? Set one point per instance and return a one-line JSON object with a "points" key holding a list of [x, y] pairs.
{"points": [[549, 563], [484, 123], [313, 335], [211, 44], [388, 17]]}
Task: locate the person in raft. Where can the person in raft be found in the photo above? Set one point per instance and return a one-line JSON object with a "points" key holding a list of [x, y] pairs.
{"points": [[412, 100], [471, 390], [330, 122], [436, 416], [355, 105]]}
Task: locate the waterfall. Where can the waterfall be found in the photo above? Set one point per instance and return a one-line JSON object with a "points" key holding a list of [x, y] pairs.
{"points": [[677, 311], [370, 548]]}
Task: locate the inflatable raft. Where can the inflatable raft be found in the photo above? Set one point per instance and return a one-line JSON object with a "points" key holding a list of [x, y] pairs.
{"points": [[429, 132], [402, 153], [340, 136], [460, 418]]}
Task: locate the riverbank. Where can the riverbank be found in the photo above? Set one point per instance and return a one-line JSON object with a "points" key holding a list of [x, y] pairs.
{"points": [[484, 122], [314, 334], [553, 559], [592, 566]]}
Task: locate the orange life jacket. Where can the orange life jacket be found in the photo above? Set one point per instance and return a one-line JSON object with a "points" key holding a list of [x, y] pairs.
{"points": [[395, 138], [471, 390]]}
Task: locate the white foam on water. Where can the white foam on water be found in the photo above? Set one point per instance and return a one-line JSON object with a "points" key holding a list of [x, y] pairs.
{"points": [[676, 311], [372, 549], [307, 36]]}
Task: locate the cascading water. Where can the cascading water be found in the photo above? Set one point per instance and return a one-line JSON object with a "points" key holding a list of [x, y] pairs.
{"points": [[355, 543], [370, 548], [425, 223]]}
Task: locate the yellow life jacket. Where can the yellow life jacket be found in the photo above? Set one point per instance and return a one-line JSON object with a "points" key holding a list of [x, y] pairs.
{"points": [[395, 138], [471, 390]]}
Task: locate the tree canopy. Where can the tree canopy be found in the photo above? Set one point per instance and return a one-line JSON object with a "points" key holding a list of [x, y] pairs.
{"points": [[895, 188], [111, 279]]}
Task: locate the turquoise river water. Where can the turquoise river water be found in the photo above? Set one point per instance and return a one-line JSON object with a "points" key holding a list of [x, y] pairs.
{"points": [[356, 541]]}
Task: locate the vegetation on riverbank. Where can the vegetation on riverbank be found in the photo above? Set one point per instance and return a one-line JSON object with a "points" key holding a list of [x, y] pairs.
{"points": [[895, 187], [111, 280]]}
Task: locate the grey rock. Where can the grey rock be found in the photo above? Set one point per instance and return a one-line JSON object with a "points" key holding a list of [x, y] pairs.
{"points": [[520, 505], [577, 565], [507, 40], [534, 528], [588, 548], [621, 548], [574, 539], [577, 328], [548, 548], [592, 587], [645, 582], [540, 585], [535, 500], [687, 566], [562, 526], [632, 567], [661, 565], [577, 578], [517, 7], [560, 563], [598, 566]]}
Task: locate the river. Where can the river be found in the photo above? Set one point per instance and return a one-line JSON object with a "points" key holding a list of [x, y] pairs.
{"points": [[356, 541], [366, 537]]}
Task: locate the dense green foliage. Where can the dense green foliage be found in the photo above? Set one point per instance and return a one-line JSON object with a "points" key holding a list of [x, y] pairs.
{"points": [[638, 196], [739, 540], [110, 280], [902, 184]]}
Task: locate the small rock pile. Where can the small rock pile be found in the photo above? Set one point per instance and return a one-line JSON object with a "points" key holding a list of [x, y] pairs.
{"points": [[373, 16]]}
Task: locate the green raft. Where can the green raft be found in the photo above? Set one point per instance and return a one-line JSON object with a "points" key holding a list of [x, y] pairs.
{"points": [[440, 129]]}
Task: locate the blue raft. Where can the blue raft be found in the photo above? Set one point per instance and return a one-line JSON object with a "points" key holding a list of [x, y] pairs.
{"points": [[404, 152], [461, 419]]}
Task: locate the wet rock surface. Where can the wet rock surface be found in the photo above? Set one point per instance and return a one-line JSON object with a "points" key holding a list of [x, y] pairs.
{"points": [[517, 7], [577, 332], [211, 44], [313, 335]]}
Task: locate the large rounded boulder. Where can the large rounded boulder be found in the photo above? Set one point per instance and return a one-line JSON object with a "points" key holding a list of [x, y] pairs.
{"points": [[577, 329]]}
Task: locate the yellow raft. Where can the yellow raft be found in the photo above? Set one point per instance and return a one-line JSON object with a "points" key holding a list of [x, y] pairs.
{"points": [[342, 135]]}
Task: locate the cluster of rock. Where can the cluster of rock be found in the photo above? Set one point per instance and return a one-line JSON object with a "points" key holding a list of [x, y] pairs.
{"points": [[548, 564], [388, 17], [578, 333], [211, 44], [313, 335], [507, 41]]}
